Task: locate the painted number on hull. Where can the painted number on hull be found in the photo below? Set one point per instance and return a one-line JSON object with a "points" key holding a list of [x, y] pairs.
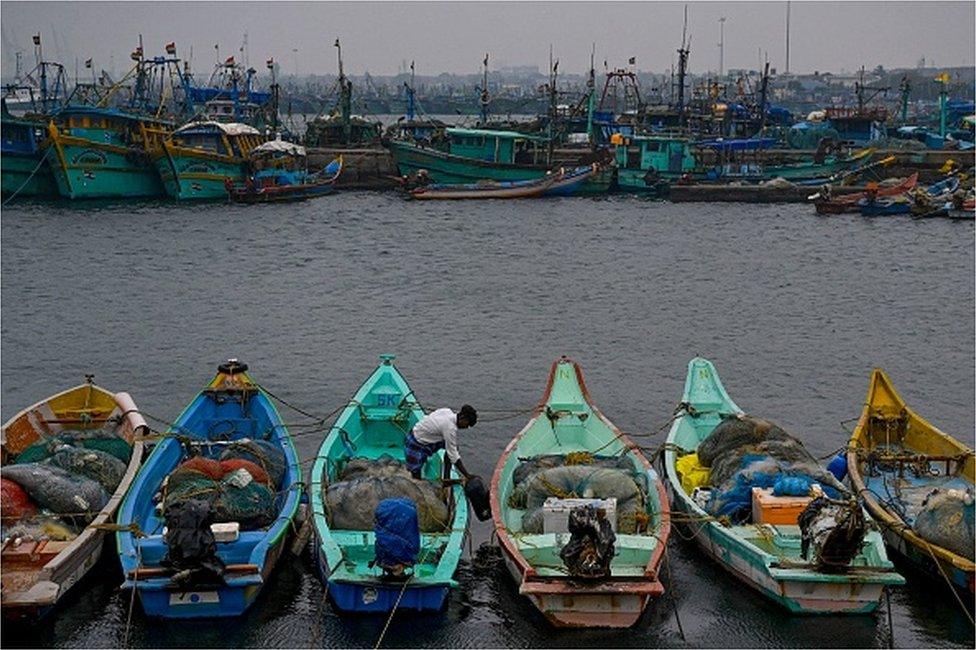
{"points": [[388, 400], [194, 598]]}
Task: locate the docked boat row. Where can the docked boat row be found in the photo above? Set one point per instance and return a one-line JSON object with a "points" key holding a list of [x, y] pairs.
{"points": [[580, 513], [946, 198]]}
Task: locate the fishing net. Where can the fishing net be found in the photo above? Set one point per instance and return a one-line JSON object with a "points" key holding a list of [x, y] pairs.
{"points": [[256, 472], [207, 466], [186, 483], [262, 453], [351, 504], [244, 500], [579, 481], [734, 432], [14, 501], [91, 463], [40, 527], [946, 520], [59, 490], [97, 439], [530, 466], [385, 465]]}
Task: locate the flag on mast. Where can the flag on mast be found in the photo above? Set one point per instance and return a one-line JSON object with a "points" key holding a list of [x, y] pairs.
{"points": [[171, 47]]}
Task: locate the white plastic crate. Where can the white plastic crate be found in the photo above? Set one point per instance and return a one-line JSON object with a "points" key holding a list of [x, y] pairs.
{"points": [[555, 512]]}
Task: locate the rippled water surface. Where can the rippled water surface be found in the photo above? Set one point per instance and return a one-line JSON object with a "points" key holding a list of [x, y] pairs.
{"points": [[477, 299]]}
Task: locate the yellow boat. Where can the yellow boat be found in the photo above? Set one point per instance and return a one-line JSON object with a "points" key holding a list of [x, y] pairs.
{"points": [[895, 459]]}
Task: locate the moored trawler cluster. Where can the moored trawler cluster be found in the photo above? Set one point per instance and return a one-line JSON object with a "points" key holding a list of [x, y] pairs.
{"points": [[582, 515], [159, 132]]}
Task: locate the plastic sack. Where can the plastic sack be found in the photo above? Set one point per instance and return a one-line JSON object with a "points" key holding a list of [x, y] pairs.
{"points": [[792, 486], [15, 503], [946, 520], [40, 527], [477, 495], [58, 490], [91, 463], [589, 551], [351, 504], [190, 545], [256, 472], [397, 533], [262, 453], [691, 472]]}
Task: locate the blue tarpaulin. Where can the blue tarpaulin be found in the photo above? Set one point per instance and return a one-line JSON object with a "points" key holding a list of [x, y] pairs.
{"points": [[397, 532]]}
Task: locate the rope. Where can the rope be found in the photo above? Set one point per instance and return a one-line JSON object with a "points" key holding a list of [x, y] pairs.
{"points": [[403, 589], [674, 601], [132, 597], [28, 179]]}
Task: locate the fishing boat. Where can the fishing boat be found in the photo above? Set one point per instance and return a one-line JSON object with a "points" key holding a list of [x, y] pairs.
{"points": [[372, 428], [104, 152], [896, 458], [873, 207], [848, 202], [37, 573], [765, 556], [198, 158], [647, 163], [24, 170], [567, 435], [473, 155], [280, 174], [231, 561], [557, 183]]}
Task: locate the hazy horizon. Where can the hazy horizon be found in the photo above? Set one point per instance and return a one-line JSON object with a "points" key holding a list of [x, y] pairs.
{"points": [[453, 37]]}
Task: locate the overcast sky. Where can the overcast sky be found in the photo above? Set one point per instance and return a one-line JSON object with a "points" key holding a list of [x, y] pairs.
{"points": [[453, 36]]}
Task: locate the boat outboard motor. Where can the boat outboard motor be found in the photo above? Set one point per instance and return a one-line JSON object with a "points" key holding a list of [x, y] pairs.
{"points": [[834, 530], [397, 537], [190, 545], [477, 495], [591, 544]]}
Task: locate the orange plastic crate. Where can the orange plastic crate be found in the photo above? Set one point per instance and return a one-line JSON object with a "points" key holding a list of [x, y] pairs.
{"points": [[767, 509]]}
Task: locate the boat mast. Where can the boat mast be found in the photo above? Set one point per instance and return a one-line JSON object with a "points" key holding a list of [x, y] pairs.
{"points": [[787, 36], [553, 68], [683, 52], [345, 98], [591, 101], [906, 90], [39, 56], [410, 96], [764, 85], [274, 97], [485, 98]]}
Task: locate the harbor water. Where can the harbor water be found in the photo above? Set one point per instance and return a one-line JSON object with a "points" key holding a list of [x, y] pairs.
{"points": [[476, 299]]}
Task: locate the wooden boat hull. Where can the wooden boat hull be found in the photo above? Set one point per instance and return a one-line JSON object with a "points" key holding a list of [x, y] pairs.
{"points": [[615, 601], [558, 183], [375, 424], [252, 557], [87, 169], [884, 405], [27, 175], [34, 580], [766, 558], [190, 175]]}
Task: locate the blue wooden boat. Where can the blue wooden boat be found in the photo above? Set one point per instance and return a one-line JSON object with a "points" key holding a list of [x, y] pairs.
{"points": [[884, 207], [25, 170], [374, 425], [281, 175], [557, 183], [231, 409]]}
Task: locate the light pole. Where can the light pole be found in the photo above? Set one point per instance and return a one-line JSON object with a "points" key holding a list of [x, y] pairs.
{"points": [[721, 46]]}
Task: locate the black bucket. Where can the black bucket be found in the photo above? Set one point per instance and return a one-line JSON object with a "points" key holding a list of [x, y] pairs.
{"points": [[477, 495]]}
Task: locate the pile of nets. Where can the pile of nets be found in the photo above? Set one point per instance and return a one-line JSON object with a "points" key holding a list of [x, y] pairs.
{"points": [[744, 452], [363, 483], [56, 486], [235, 489], [578, 476], [946, 520]]}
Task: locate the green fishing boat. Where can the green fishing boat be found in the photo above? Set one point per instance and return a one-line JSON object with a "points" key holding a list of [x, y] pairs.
{"points": [[198, 159], [647, 163], [766, 556], [104, 153], [23, 167], [568, 477], [471, 155], [359, 465]]}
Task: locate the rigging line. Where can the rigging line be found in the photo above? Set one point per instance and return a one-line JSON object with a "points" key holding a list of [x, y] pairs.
{"points": [[28, 180]]}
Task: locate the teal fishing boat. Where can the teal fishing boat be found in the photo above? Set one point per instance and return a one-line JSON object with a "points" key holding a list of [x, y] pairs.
{"points": [[197, 160], [647, 163], [360, 463], [105, 153], [24, 167], [766, 556], [472, 155], [581, 517]]}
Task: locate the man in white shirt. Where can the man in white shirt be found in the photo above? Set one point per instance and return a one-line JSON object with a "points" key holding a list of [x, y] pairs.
{"points": [[438, 430]]}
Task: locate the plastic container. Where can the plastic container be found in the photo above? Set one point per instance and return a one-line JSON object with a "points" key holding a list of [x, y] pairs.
{"points": [[768, 509]]}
